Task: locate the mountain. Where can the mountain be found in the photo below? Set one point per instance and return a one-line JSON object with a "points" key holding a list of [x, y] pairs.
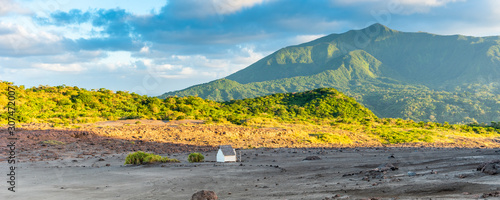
{"points": [[418, 76]]}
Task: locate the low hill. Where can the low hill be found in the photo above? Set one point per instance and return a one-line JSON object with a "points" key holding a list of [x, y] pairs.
{"points": [[65, 105]]}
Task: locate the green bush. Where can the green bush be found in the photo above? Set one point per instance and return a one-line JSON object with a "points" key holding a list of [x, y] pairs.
{"points": [[140, 157], [136, 158], [196, 157], [152, 158]]}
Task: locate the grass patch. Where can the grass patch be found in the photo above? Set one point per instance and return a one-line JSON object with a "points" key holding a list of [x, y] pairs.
{"points": [[140, 157], [329, 138], [195, 157], [412, 136]]}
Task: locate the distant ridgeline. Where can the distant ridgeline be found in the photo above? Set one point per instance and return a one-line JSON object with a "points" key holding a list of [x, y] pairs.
{"points": [[417, 76], [65, 105]]}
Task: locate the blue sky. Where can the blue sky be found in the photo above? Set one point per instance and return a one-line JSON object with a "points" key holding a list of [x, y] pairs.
{"points": [[153, 46]]}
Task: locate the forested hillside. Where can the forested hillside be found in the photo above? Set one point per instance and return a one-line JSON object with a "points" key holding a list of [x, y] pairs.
{"points": [[66, 104]]}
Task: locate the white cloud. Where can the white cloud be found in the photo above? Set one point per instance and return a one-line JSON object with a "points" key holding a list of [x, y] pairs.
{"points": [[246, 56], [60, 67], [17, 40], [187, 71], [316, 24], [200, 9], [191, 67], [230, 6], [133, 6], [399, 6], [494, 5], [75, 57], [144, 49], [431, 3], [9, 6], [305, 38]]}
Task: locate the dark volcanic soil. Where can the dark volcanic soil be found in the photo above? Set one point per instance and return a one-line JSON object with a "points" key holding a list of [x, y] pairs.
{"points": [[88, 166]]}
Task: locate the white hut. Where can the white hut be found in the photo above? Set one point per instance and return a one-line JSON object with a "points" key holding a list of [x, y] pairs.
{"points": [[226, 153]]}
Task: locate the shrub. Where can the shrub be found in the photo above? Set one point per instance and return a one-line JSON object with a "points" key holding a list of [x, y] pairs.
{"points": [[140, 157], [136, 158], [196, 157], [152, 158], [166, 159]]}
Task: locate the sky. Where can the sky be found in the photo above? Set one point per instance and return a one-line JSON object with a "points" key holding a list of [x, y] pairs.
{"points": [[154, 46]]}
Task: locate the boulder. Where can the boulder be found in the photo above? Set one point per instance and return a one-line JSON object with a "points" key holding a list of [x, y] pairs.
{"points": [[312, 158], [204, 195], [386, 167], [491, 168]]}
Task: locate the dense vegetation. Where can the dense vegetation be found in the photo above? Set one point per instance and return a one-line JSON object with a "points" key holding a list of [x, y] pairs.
{"points": [[65, 105], [417, 76], [138, 158]]}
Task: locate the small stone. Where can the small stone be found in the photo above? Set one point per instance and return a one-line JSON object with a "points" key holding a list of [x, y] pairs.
{"points": [[312, 158], [204, 195]]}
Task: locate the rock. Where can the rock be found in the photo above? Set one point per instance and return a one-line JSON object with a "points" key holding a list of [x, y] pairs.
{"points": [[491, 194], [204, 195], [386, 167], [491, 169], [312, 158], [481, 166]]}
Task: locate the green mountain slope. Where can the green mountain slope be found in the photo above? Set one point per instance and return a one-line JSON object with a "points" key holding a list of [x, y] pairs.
{"points": [[421, 58], [419, 76]]}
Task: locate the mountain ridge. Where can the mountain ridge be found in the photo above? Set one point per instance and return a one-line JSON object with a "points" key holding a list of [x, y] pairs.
{"points": [[373, 61]]}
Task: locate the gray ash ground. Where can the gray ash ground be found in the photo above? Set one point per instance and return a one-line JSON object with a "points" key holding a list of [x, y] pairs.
{"points": [[353, 173]]}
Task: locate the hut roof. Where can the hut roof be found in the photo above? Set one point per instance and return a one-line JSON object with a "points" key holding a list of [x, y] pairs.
{"points": [[227, 150]]}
